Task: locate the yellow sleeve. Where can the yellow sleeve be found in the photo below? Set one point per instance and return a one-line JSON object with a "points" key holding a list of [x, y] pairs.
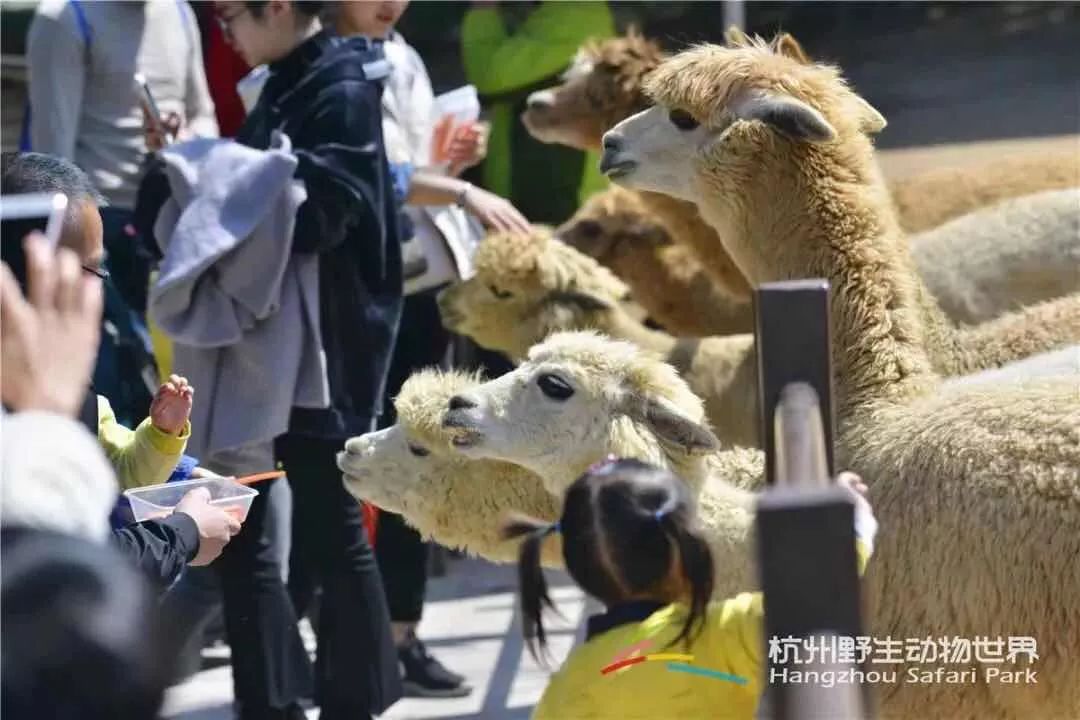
{"points": [[144, 456], [734, 630], [497, 62]]}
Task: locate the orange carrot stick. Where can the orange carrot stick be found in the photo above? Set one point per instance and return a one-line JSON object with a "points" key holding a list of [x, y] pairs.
{"points": [[259, 477]]}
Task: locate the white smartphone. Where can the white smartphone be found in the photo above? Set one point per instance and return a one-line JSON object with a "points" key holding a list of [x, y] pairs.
{"points": [[24, 213], [150, 105], [48, 207]]}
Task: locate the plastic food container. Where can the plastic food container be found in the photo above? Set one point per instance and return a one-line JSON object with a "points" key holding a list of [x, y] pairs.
{"points": [[157, 501]]}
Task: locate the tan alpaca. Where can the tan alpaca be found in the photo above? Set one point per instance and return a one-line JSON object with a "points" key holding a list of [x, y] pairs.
{"points": [[526, 288], [617, 228], [979, 266], [605, 86], [977, 485]]}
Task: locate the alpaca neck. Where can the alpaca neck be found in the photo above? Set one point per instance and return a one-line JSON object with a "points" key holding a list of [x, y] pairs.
{"points": [[838, 223]]}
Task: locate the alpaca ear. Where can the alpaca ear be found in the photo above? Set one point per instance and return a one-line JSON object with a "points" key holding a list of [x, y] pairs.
{"points": [[790, 116], [581, 300], [670, 426], [734, 37], [785, 44], [587, 236], [870, 120]]}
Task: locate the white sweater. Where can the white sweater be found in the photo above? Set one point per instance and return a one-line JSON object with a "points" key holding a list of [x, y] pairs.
{"points": [[83, 96]]}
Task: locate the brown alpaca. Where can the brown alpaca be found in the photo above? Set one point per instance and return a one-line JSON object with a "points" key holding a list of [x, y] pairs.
{"points": [[977, 487], [617, 229], [603, 86]]}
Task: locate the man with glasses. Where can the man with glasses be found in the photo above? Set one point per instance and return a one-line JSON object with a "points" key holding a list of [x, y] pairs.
{"points": [[148, 454]]}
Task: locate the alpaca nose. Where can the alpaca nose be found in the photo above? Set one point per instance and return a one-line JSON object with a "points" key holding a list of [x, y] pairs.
{"points": [[541, 100], [612, 142], [460, 402]]}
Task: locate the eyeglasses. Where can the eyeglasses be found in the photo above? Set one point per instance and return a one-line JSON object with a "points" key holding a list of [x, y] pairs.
{"points": [[98, 271], [225, 22]]}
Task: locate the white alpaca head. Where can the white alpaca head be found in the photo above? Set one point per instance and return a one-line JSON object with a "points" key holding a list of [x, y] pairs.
{"points": [[579, 397], [385, 467]]}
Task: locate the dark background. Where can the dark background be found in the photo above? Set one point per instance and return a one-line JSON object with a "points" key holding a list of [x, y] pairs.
{"points": [[939, 72]]}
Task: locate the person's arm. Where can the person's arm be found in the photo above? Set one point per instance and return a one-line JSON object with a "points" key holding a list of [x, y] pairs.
{"points": [[496, 62], [144, 456], [198, 105], [159, 548], [430, 188], [56, 60]]}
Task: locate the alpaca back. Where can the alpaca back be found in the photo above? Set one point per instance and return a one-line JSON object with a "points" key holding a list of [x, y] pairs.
{"points": [[995, 260], [980, 485]]}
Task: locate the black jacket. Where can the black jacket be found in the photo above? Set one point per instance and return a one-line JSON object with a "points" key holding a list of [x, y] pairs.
{"points": [[322, 97], [159, 548]]}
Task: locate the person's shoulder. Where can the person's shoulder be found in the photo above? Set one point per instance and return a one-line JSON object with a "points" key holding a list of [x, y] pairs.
{"points": [[54, 14], [53, 9]]}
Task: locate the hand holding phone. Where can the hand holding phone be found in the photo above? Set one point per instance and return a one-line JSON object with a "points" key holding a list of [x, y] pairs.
{"points": [[159, 130]]}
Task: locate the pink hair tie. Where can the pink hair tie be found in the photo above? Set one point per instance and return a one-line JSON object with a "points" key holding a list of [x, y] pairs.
{"points": [[611, 459]]}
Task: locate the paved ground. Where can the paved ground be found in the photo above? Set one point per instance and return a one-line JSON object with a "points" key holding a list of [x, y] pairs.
{"points": [[471, 623]]}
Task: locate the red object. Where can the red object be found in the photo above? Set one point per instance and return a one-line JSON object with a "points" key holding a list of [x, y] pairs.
{"points": [[224, 68], [371, 520]]}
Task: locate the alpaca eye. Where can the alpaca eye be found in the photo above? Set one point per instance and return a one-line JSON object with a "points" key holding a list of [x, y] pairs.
{"points": [[419, 451], [683, 120], [500, 294], [590, 229], [554, 387]]}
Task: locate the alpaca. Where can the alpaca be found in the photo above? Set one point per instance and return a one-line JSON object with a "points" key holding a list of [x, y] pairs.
{"points": [[409, 469], [511, 271], [929, 199], [602, 86], [619, 229], [978, 266], [721, 370], [953, 471], [580, 396], [606, 85], [1015, 253], [718, 369]]}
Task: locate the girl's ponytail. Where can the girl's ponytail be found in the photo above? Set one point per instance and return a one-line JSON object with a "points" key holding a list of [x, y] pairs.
{"points": [[697, 569], [531, 581]]}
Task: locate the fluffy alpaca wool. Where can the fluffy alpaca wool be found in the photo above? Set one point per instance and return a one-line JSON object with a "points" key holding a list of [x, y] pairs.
{"points": [[952, 471], [410, 469]]}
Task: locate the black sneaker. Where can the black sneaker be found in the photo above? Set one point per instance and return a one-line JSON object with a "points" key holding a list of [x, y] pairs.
{"points": [[424, 676]]}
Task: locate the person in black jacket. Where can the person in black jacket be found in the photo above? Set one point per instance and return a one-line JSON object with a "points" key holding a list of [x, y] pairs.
{"points": [[324, 93]]}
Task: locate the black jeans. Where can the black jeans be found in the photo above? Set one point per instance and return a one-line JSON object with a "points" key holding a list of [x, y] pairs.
{"points": [[422, 342], [269, 663], [356, 672]]}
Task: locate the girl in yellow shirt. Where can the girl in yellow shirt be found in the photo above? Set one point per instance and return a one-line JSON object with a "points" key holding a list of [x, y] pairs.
{"points": [[631, 539]]}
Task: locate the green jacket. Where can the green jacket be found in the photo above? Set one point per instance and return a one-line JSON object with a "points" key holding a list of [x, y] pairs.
{"points": [[546, 182]]}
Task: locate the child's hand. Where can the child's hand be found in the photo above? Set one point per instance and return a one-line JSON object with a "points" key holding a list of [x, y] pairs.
{"points": [[865, 522], [171, 407]]}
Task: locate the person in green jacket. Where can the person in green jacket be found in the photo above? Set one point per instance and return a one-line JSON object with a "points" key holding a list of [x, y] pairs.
{"points": [[546, 183]]}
